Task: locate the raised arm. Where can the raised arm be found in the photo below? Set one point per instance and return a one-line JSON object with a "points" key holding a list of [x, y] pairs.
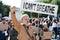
{"points": [[14, 20]]}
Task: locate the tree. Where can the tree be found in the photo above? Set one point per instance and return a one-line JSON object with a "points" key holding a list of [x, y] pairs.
{"points": [[58, 3], [4, 9], [34, 15], [1, 7], [45, 1]]}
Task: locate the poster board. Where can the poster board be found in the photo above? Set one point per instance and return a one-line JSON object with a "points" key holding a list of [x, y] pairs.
{"points": [[37, 7]]}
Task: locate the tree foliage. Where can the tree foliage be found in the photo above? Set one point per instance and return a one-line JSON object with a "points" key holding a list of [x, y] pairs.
{"points": [[31, 14], [58, 3], [4, 9]]}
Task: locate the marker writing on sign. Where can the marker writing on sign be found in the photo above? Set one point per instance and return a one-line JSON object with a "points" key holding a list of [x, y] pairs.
{"points": [[39, 7]]}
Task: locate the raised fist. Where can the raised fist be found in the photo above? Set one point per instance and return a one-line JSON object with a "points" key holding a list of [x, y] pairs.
{"points": [[12, 9]]}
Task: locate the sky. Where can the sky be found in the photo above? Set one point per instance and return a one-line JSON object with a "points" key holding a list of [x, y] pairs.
{"points": [[16, 3]]}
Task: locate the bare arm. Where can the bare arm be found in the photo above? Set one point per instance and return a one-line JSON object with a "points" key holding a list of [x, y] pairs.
{"points": [[14, 20]]}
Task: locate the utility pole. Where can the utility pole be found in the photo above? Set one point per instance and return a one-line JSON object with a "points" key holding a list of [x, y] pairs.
{"points": [[55, 2]]}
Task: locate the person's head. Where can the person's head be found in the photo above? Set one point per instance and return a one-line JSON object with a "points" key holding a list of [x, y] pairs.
{"points": [[36, 21], [54, 21], [25, 18], [3, 20], [30, 20]]}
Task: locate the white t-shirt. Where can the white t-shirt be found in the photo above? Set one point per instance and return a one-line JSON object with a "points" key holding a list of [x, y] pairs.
{"points": [[54, 24]]}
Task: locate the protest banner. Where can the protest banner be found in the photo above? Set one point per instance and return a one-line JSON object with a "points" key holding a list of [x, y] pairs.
{"points": [[37, 7]]}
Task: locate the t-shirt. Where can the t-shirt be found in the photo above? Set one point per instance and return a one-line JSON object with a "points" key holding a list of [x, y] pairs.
{"points": [[54, 24]]}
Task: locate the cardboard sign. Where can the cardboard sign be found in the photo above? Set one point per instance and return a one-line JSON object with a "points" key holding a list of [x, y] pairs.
{"points": [[37, 7], [47, 35], [3, 27]]}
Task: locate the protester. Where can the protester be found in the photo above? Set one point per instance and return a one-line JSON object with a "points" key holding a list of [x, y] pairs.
{"points": [[24, 29], [33, 22], [54, 25], [3, 29]]}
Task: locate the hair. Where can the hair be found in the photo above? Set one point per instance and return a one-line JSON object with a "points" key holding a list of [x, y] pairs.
{"points": [[24, 15], [30, 20], [55, 21]]}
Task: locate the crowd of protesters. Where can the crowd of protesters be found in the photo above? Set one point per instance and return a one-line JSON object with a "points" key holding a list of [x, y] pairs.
{"points": [[52, 25], [4, 29], [37, 25]]}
